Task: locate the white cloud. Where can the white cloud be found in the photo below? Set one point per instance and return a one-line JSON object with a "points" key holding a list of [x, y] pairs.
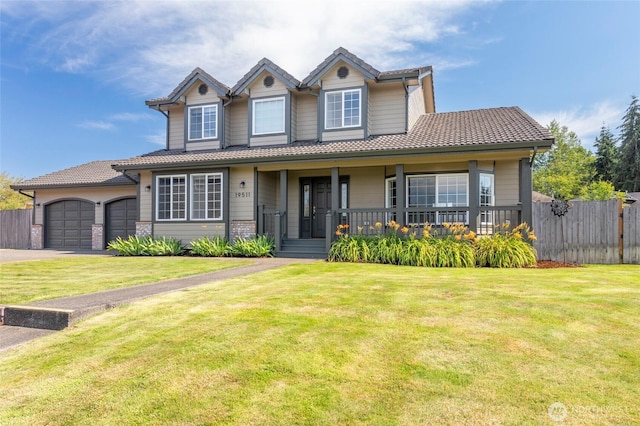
{"points": [[96, 125], [148, 46], [158, 138], [586, 121], [130, 117]]}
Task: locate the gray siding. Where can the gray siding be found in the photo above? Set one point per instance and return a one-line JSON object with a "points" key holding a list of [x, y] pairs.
{"points": [[387, 113]]}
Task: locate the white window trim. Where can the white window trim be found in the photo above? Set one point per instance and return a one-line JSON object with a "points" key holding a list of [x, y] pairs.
{"points": [[488, 215], [157, 195], [253, 115], [342, 93], [202, 107], [206, 211], [437, 176]]}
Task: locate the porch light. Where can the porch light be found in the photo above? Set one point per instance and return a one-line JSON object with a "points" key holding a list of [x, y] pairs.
{"points": [[147, 188], [242, 184]]}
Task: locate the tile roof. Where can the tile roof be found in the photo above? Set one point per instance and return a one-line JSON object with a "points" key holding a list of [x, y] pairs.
{"points": [[266, 63], [437, 132], [95, 173]]}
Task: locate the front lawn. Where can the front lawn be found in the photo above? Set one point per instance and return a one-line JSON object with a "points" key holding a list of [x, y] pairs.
{"points": [[23, 282], [329, 343]]}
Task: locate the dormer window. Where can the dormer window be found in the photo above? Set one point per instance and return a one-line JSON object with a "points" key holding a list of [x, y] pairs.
{"points": [[342, 109], [203, 122], [268, 116]]}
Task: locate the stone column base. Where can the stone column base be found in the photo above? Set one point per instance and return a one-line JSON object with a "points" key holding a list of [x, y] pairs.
{"points": [[37, 237], [242, 228], [144, 229], [97, 239]]}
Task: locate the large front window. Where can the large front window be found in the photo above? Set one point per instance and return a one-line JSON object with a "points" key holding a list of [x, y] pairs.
{"points": [[206, 196], [171, 197], [342, 109], [203, 122], [448, 191], [268, 116]]}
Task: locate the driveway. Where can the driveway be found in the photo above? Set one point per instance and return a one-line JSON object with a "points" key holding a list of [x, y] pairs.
{"points": [[11, 255]]}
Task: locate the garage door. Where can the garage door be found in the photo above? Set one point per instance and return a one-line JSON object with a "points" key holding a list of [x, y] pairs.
{"points": [[68, 224], [120, 219]]}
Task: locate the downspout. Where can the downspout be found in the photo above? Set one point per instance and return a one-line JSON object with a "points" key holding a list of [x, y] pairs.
{"points": [[223, 139], [33, 210], [124, 173], [533, 156], [406, 104]]}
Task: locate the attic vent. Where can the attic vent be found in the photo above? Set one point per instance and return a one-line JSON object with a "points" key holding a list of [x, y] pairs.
{"points": [[203, 89], [268, 81], [343, 72]]}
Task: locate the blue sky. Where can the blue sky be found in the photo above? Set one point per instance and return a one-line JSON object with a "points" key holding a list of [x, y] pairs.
{"points": [[74, 75]]}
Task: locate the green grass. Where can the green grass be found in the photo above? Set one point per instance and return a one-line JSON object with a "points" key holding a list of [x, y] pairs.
{"points": [[346, 344], [23, 282]]}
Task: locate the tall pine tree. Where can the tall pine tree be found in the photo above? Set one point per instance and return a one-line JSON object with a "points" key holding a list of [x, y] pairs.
{"points": [[628, 170], [606, 156]]}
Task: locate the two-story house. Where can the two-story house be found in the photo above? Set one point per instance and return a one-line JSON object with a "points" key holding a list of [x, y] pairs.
{"points": [[272, 154]]}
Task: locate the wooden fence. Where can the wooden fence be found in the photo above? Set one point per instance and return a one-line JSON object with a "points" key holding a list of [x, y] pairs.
{"points": [[590, 232], [15, 228]]}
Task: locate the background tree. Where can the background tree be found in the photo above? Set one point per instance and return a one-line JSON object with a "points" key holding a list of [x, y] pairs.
{"points": [[606, 156], [564, 170], [10, 199], [628, 170]]}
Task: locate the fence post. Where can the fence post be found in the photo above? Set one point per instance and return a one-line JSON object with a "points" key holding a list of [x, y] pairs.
{"points": [[620, 231]]}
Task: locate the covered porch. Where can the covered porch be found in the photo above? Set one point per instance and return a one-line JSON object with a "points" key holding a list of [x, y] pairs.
{"points": [[302, 209]]}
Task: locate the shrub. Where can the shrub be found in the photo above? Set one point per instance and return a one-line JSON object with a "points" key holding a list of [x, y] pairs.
{"points": [[259, 246], [457, 247], [147, 246], [507, 249], [211, 247]]}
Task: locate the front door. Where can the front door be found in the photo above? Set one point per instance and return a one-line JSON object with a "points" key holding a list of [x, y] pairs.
{"points": [[315, 199]]}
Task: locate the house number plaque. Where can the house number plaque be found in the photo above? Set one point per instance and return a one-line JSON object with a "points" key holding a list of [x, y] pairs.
{"points": [[246, 194]]}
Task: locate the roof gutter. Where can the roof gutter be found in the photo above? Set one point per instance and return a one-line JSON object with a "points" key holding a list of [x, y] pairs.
{"points": [[26, 195], [124, 173], [387, 153]]}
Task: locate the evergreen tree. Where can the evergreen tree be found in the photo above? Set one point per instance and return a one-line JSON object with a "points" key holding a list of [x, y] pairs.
{"points": [[606, 156], [628, 170], [566, 168]]}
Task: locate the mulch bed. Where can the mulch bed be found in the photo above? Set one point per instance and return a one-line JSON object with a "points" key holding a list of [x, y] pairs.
{"points": [[548, 264]]}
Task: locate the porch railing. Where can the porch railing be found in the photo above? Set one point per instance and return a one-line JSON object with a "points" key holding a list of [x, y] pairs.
{"points": [[372, 221], [273, 222]]}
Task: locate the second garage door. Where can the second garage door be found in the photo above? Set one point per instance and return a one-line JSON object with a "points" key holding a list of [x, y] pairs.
{"points": [[120, 219]]}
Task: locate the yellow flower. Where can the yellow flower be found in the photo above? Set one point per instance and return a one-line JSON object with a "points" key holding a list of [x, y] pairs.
{"points": [[338, 233], [345, 226], [378, 225], [360, 228], [404, 230], [532, 236], [458, 237], [517, 235], [446, 225]]}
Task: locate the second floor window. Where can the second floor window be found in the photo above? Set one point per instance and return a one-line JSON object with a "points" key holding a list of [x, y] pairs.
{"points": [[342, 109], [268, 116], [203, 122]]}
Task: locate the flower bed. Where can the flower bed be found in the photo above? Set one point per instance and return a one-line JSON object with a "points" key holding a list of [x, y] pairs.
{"points": [[453, 246]]}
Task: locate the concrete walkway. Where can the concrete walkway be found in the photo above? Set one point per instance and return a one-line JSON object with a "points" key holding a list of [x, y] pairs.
{"points": [[88, 304]]}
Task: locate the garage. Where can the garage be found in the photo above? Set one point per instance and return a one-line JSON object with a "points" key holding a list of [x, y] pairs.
{"points": [[68, 224], [120, 218]]}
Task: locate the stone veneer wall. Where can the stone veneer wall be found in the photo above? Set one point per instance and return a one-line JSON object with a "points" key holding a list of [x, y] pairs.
{"points": [[37, 237], [144, 229], [242, 228], [97, 240]]}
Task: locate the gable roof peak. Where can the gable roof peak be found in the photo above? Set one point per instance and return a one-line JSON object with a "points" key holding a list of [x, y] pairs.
{"points": [[340, 54], [195, 75], [264, 64]]}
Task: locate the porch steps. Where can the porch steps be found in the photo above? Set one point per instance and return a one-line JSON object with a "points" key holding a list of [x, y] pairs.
{"points": [[304, 249]]}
